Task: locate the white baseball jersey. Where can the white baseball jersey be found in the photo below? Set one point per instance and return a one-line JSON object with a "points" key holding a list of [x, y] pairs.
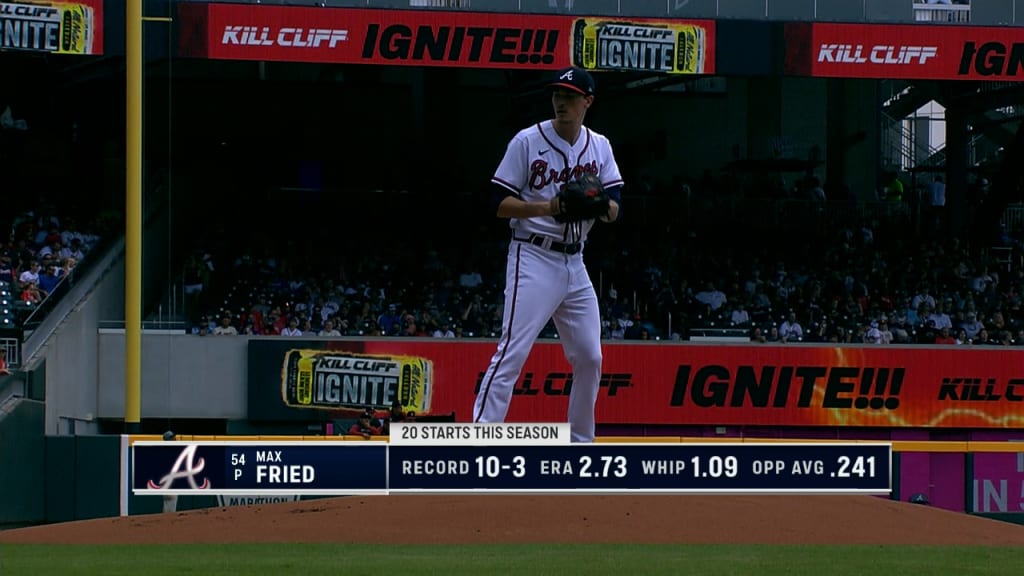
{"points": [[543, 284], [538, 162]]}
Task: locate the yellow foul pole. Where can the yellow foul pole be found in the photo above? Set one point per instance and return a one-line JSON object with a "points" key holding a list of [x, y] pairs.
{"points": [[133, 217]]}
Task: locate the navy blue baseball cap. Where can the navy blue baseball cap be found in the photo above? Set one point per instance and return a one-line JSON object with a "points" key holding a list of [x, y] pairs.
{"points": [[574, 78]]}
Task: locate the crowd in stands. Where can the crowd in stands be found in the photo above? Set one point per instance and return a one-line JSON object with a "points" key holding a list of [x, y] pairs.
{"points": [[686, 259], [52, 197], [852, 276], [53, 216], [41, 251], [772, 262]]}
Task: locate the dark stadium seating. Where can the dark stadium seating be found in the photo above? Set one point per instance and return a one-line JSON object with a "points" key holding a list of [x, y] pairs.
{"points": [[845, 271], [8, 317]]}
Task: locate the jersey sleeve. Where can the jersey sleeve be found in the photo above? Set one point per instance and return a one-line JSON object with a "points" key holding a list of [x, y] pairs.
{"points": [[610, 175], [512, 171]]}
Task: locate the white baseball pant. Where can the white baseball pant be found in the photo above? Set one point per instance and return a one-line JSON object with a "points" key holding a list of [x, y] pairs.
{"points": [[543, 284]]}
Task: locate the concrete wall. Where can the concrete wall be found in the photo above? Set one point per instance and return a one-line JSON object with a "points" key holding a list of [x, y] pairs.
{"points": [[182, 375], [72, 356]]}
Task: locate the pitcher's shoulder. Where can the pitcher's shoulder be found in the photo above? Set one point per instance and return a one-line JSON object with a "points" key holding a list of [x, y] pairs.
{"points": [[598, 136], [600, 142]]}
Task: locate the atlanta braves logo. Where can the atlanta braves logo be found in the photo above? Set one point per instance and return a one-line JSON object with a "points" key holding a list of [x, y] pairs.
{"points": [[541, 176], [186, 466]]}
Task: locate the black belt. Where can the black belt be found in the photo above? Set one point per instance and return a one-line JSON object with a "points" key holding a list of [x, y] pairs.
{"points": [[562, 247]]}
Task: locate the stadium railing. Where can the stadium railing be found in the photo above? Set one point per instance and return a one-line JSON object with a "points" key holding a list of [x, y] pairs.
{"points": [[956, 13]]}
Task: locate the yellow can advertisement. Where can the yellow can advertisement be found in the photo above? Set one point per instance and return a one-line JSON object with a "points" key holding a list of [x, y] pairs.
{"points": [[657, 46], [338, 380], [53, 27]]}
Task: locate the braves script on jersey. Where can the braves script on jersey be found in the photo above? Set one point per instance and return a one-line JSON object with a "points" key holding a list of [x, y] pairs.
{"points": [[538, 163], [546, 278]]}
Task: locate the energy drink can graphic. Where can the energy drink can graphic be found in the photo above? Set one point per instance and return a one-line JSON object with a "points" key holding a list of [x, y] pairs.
{"points": [[639, 46], [333, 380]]}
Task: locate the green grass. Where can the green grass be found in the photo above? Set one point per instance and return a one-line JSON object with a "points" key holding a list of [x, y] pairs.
{"points": [[534, 560]]}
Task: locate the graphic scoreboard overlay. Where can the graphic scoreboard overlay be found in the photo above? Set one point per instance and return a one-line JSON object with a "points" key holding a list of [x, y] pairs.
{"points": [[622, 468], [464, 465]]}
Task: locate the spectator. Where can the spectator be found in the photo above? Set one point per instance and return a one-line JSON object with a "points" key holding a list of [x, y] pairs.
{"points": [[31, 274], [6, 267], [923, 296], [49, 278], [972, 326], [226, 328], [893, 191], [292, 329], [872, 334], [945, 338], [68, 266], [445, 330], [31, 295], [939, 319], [791, 331], [364, 427], [711, 297], [396, 414], [885, 335], [619, 327], [740, 317], [329, 329], [390, 320], [74, 250], [307, 328]]}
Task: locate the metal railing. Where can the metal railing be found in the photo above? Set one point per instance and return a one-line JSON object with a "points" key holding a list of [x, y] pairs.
{"points": [[12, 348], [989, 87], [996, 86], [946, 13], [1013, 217], [892, 89], [149, 325], [457, 4], [900, 147]]}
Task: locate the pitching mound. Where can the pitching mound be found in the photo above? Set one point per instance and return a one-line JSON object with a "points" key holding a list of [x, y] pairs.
{"points": [[592, 519]]}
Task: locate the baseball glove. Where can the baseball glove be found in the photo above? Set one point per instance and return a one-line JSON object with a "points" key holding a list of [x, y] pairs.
{"points": [[580, 199]]}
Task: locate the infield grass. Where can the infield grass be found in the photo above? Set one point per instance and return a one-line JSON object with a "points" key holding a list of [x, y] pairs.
{"points": [[534, 560]]}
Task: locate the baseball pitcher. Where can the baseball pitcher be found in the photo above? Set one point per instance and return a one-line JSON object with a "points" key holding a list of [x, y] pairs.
{"points": [[556, 180]]}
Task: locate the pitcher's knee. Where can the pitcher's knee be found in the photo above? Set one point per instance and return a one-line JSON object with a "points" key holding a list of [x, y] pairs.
{"points": [[588, 361]]}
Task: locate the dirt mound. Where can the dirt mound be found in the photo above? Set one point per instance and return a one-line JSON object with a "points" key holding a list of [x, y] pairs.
{"points": [[571, 518]]}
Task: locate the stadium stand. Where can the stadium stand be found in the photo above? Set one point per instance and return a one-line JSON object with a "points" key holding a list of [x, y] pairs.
{"points": [[42, 258], [771, 264], [54, 220]]}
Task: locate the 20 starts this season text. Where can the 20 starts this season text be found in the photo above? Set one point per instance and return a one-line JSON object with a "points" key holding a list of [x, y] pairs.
{"points": [[440, 432]]}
